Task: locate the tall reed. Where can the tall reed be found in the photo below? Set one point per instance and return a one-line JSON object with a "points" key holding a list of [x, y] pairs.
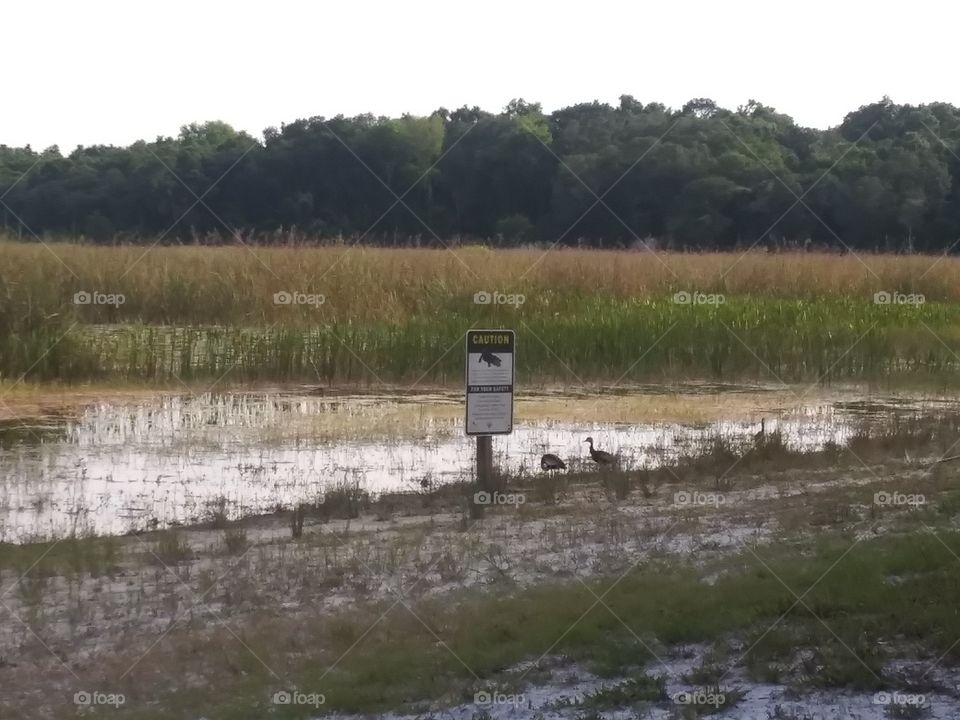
{"points": [[370, 315]]}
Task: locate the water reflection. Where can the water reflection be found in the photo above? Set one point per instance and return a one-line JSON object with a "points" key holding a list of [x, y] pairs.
{"points": [[120, 467]]}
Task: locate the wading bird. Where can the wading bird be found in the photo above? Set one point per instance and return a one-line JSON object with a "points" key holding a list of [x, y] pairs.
{"points": [[759, 437], [552, 462], [601, 457]]}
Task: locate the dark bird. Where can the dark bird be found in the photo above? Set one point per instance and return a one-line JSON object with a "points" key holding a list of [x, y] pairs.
{"points": [[758, 437], [489, 358], [600, 456], [552, 462], [425, 483]]}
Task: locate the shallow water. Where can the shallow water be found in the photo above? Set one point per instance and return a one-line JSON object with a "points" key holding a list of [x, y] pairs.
{"points": [[131, 466]]}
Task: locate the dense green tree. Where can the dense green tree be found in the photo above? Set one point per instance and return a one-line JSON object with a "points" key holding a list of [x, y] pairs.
{"points": [[888, 177]]}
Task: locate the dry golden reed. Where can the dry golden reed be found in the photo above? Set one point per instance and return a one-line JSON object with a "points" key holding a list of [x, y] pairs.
{"points": [[237, 283], [400, 314]]}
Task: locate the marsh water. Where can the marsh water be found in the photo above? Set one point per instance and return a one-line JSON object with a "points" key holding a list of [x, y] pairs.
{"points": [[125, 466]]}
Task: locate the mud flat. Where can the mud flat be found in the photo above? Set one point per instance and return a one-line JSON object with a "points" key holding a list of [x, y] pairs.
{"points": [[790, 582]]}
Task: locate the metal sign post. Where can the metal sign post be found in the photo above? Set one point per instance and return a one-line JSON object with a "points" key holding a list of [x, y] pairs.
{"points": [[489, 381]]}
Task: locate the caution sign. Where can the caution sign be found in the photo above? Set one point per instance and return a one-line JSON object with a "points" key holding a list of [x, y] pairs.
{"points": [[490, 382]]}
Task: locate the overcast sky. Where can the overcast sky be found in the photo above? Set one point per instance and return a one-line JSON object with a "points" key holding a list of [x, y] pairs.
{"points": [[113, 72]]}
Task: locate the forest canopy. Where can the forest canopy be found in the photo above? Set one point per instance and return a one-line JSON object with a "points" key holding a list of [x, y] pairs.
{"points": [[888, 178]]}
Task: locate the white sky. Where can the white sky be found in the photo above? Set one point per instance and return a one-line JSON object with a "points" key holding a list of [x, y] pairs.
{"points": [[113, 72]]}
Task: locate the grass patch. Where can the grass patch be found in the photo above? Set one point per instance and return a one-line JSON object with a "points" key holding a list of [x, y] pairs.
{"points": [[208, 313], [824, 339], [548, 488], [863, 612], [169, 548], [70, 556], [235, 540], [643, 688], [617, 483], [344, 501], [217, 513], [614, 658], [674, 607], [297, 516]]}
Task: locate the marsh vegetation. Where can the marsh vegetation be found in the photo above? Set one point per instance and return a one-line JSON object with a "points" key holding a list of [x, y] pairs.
{"points": [[397, 316]]}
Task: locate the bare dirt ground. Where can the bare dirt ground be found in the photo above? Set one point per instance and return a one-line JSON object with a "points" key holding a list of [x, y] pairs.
{"points": [[134, 620]]}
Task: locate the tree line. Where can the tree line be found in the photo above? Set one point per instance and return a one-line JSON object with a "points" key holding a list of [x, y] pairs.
{"points": [[594, 174]]}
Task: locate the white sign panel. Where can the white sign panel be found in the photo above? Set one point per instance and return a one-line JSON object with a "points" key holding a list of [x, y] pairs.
{"points": [[490, 382]]}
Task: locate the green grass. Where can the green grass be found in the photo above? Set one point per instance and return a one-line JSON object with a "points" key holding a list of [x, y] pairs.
{"points": [[169, 549], [345, 501], [642, 688], [235, 540], [587, 336], [199, 312], [69, 556], [401, 662]]}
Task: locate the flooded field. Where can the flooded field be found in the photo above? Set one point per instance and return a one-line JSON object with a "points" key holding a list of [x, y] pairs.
{"points": [[124, 466], [707, 588]]}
